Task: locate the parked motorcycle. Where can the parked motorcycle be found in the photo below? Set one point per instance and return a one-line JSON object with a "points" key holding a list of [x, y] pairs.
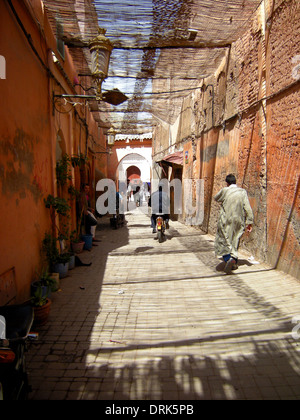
{"points": [[160, 228], [15, 325], [117, 220]]}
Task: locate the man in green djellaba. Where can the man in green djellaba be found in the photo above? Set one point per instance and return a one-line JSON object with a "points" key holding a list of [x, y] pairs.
{"points": [[235, 217]]}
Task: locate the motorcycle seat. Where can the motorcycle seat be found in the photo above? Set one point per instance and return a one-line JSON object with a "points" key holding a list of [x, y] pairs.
{"points": [[18, 320]]}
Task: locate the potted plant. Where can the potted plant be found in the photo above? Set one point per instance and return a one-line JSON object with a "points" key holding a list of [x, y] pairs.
{"points": [[63, 174], [41, 306], [50, 249], [60, 211], [48, 283], [58, 205], [76, 242], [58, 262], [64, 165], [66, 250], [61, 265]]}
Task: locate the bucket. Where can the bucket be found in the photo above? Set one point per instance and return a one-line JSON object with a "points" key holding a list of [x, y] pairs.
{"points": [[88, 241], [45, 290], [62, 269]]}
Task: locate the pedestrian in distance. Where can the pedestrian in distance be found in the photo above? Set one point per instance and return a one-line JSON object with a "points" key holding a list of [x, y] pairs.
{"points": [[235, 218]]}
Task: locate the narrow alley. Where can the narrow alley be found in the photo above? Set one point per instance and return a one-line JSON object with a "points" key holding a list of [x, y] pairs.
{"points": [[104, 102], [151, 321]]}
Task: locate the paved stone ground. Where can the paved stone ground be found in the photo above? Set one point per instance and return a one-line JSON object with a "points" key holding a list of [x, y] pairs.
{"points": [[150, 321]]}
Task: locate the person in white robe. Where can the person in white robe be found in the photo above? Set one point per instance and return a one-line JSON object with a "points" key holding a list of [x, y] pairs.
{"points": [[235, 217]]}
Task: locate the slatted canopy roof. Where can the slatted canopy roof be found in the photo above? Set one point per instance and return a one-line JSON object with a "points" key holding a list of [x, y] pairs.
{"points": [[162, 51]]}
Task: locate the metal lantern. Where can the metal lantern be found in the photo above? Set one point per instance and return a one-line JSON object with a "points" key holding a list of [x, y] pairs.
{"points": [[110, 136], [100, 48]]}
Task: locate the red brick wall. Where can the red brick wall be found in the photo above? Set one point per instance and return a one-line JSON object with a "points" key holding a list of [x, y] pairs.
{"points": [[257, 134], [283, 149], [267, 134]]}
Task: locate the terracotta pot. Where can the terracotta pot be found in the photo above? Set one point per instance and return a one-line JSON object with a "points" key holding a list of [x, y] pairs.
{"points": [[77, 247], [41, 314]]}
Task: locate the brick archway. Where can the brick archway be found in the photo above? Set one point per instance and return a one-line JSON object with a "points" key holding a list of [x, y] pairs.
{"points": [[133, 173]]}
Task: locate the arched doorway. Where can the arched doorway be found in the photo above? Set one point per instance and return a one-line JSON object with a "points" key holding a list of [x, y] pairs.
{"points": [[133, 166], [133, 173]]}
